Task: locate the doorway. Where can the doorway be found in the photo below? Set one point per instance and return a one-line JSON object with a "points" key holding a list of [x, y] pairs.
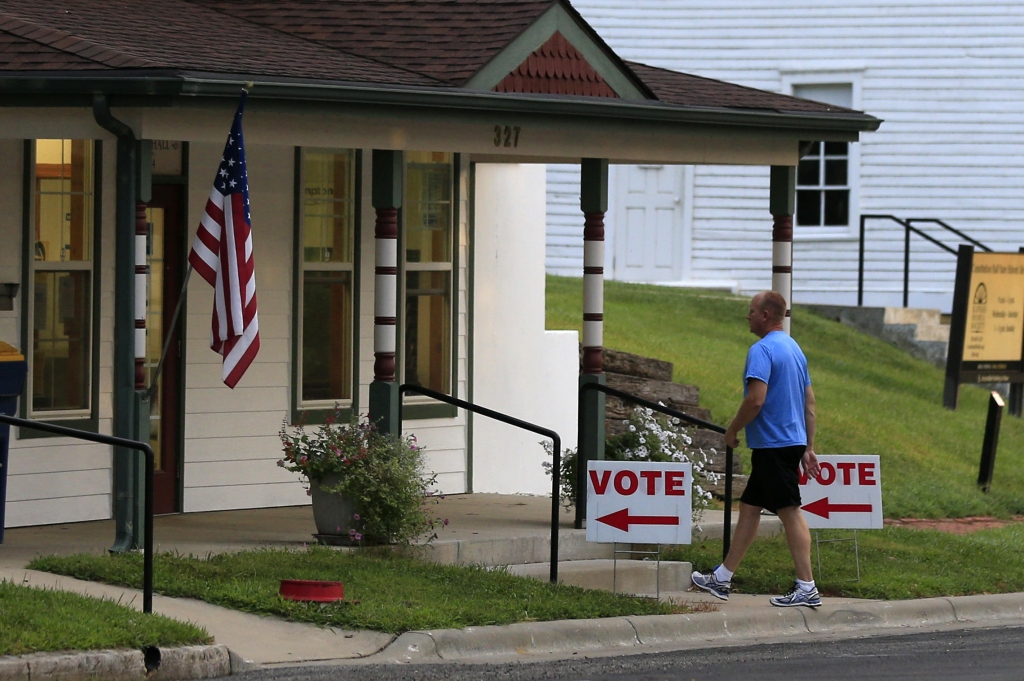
{"points": [[648, 223], [165, 245]]}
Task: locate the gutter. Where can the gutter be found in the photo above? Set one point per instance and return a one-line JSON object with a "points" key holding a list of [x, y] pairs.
{"points": [[164, 88], [125, 464]]}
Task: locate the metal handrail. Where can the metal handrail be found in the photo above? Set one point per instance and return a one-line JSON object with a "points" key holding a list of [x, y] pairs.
{"points": [[950, 228], [147, 451], [581, 466], [908, 227], [556, 443]]}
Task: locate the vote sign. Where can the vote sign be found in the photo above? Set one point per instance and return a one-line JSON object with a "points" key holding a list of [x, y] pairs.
{"points": [[639, 502], [846, 495]]}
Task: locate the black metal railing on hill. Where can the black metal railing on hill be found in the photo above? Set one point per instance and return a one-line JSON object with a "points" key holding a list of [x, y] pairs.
{"points": [[908, 227], [581, 465], [556, 443]]}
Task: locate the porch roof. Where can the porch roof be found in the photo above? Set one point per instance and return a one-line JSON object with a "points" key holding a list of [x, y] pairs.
{"points": [[438, 58]]}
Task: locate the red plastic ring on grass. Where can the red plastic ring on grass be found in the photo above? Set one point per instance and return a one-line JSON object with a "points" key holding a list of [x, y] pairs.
{"points": [[312, 590]]}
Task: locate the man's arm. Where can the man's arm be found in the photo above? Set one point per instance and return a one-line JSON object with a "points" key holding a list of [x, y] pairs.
{"points": [[757, 390], [810, 459]]}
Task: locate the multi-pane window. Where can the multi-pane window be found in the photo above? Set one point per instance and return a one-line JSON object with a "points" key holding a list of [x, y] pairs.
{"points": [[427, 323], [327, 283], [61, 273], [823, 185]]}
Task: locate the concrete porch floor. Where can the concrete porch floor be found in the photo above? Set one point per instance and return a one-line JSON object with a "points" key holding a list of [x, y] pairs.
{"points": [[520, 524]]}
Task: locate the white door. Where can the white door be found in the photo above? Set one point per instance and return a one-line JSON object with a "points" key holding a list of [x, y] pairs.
{"points": [[648, 223]]}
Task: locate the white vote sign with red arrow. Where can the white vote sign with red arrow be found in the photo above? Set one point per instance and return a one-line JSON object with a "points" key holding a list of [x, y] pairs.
{"points": [[638, 502], [846, 495]]}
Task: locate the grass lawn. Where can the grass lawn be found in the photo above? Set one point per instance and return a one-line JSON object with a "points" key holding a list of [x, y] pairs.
{"points": [[43, 620], [896, 563], [872, 398], [384, 593]]}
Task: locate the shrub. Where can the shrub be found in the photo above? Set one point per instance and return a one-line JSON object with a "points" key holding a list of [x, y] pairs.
{"points": [[384, 475]]}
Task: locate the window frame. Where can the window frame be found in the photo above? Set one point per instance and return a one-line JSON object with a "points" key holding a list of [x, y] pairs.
{"points": [[828, 75], [82, 419], [319, 411], [417, 406]]}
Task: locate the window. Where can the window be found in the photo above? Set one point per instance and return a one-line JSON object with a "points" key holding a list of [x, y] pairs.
{"points": [[326, 250], [427, 325], [826, 180], [60, 273], [822, 186]]}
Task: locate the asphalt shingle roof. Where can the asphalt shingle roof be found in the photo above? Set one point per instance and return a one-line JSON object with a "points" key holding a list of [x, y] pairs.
{"points": [[427, 43]]}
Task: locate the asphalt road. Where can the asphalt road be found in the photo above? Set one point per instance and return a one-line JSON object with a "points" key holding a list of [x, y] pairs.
{"points": [[974, 654]]}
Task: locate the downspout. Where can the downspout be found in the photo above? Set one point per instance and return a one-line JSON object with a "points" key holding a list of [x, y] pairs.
{"points": [[125, 466]]}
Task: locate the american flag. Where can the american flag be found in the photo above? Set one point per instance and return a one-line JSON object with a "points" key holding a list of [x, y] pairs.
{"points": [[222, 255]]}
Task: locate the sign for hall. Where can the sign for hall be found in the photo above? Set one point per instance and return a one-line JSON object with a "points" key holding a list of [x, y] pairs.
{"points": [[847, 494], [639, 502], [995, 308]]}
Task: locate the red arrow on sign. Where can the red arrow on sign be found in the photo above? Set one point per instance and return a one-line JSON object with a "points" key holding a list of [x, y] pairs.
{"points": [[621, 520], [823, 508]]}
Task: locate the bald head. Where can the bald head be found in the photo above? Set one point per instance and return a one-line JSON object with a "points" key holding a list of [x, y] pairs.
{"points": [[771, 302]]}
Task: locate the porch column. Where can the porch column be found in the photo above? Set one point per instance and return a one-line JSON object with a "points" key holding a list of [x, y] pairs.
{"points": [[387, 200], [594, 203], [781, 197], [141, 404]]}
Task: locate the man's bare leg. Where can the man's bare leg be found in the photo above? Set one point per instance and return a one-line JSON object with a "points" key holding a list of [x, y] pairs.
{"points": [[746, 533], [798, 536]]}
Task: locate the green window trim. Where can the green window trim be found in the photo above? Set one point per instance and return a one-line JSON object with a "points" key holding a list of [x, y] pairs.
{"points": [[89, 422], [318, 413]]}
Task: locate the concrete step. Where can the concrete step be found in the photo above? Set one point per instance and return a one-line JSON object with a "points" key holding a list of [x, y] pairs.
{"points": [[535, 546], [918, 332], [911, 315], [636, 577]]}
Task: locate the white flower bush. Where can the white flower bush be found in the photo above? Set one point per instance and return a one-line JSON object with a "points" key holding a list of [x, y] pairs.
{"points": [[649, 436]]}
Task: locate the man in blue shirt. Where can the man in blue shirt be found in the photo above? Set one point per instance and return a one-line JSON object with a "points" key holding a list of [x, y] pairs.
{"points": [[778, 415]]}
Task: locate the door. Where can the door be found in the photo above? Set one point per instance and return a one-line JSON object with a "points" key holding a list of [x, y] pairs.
{"points": [[166, 260], [648, 223]]}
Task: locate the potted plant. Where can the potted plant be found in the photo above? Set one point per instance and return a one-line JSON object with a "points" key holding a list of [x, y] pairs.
{"points": [[367, 487]]}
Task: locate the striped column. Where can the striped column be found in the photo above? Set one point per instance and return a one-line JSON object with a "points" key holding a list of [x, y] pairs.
{"points": [[782, 197], [385, 294], [141, 294], [593, 292], [387, 191]]}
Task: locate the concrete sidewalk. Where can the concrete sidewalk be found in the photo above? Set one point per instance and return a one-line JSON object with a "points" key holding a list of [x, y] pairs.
{"points": [[482, 529]]}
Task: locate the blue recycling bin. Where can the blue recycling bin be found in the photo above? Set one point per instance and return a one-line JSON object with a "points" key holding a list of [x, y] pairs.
{"points": [[12, 382]]}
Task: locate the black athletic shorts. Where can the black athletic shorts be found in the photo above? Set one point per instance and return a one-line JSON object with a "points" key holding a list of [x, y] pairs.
{"points": [[774, 478]]}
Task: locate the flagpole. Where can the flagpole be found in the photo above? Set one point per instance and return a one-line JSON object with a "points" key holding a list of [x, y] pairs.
{"points": [[170, 334]]}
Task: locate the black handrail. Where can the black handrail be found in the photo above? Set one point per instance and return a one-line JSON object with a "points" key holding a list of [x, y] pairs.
{"points": [[147, 451], [581, 465], [556, 443], [907, 229]]}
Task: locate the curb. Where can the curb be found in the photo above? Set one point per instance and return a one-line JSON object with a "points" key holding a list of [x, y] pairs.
{"points": [[173, 664], [623, 634]]}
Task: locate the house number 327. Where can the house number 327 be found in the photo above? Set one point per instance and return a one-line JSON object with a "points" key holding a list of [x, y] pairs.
{"points": [[506, 136]]}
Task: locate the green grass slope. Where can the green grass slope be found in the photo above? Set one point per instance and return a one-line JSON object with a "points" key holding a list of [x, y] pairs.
{"points": [[872, 398]]}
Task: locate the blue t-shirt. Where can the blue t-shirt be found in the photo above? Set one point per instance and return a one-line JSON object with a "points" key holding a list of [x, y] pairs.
{"points": [[779, 362]]}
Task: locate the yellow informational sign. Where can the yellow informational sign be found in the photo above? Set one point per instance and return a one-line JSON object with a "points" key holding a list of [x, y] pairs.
{"points": [[995, 309]]}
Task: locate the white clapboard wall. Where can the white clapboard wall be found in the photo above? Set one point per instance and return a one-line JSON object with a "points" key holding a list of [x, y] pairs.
{"points": [[946, 77]]}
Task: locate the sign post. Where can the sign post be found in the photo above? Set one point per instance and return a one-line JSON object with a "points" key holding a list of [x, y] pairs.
{"points": [[639, 502], [986, 336]]}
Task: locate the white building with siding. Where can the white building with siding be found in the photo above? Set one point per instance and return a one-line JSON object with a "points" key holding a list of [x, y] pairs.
{"points": [[398, 210], [947, 78]]}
